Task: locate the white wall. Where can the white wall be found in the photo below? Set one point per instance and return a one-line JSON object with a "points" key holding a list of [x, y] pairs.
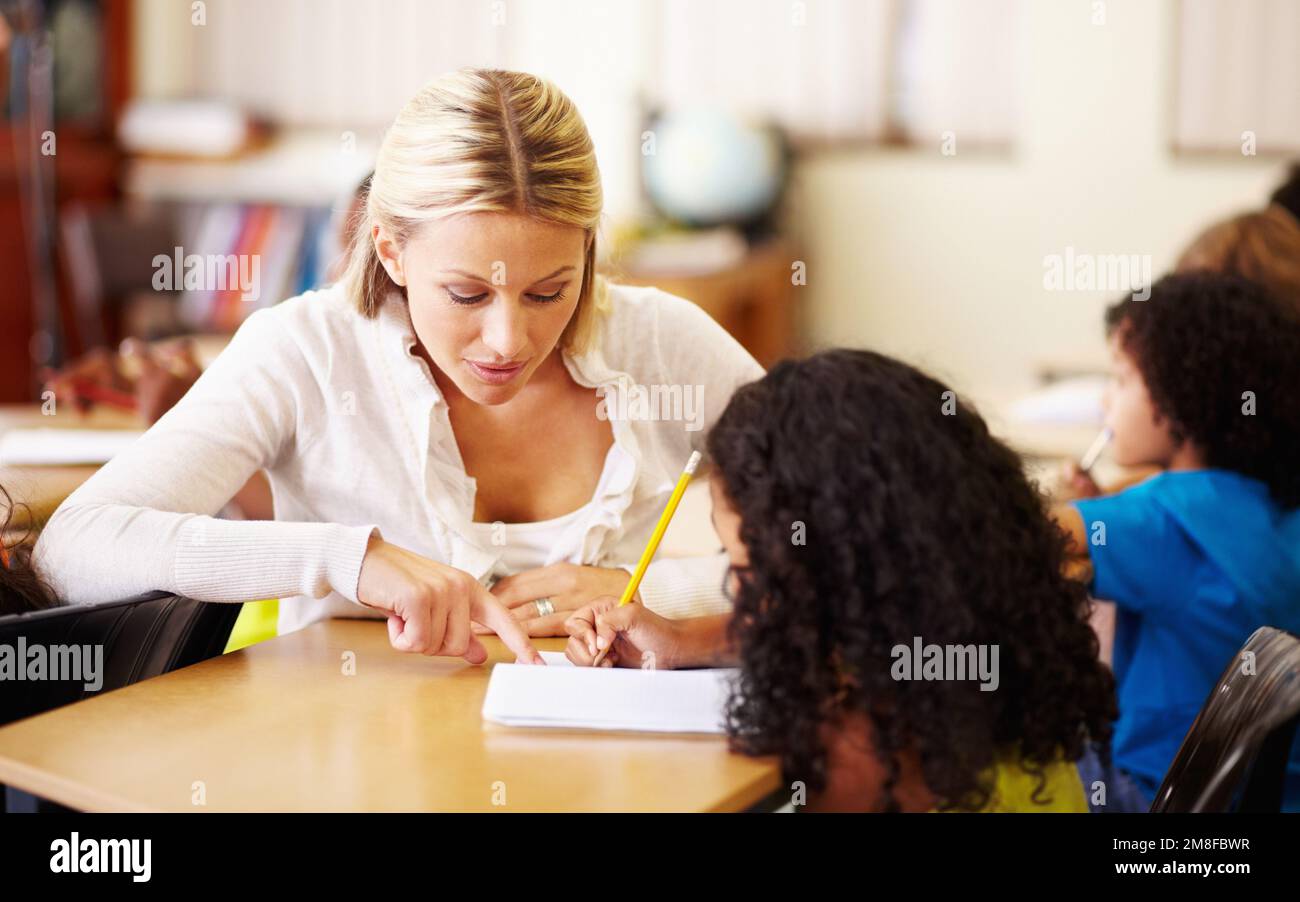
{"points": [[353, 63], [940, 259], [937, 259]]}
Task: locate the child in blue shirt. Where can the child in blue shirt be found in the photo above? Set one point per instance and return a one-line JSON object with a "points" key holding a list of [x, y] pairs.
{"points": [[1205, 385]]}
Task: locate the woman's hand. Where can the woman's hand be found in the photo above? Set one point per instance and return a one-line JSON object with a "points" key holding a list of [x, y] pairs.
{"points": [[430, 606], [631, 632], [568, 586]]}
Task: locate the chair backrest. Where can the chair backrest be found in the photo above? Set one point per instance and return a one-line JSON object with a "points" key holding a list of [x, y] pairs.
{"points": [[140, 638], [1234, 757]]}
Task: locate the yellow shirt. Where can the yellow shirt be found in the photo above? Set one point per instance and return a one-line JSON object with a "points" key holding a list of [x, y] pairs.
{"points": [[1014, 789], [256, 623]]}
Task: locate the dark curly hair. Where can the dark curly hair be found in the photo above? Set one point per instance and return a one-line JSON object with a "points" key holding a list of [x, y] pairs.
{"points": [[918, 524], [21, 589], [1287, 194], [1200, 341]]}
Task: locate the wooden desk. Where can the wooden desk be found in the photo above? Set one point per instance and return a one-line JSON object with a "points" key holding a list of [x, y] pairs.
{"points": [[278, 727], [42, 489]]}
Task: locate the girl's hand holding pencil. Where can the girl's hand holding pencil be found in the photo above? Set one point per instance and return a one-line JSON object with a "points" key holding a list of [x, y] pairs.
{"points": [[607, 634], [1077, 477], [692, 464], [1076, 483]]}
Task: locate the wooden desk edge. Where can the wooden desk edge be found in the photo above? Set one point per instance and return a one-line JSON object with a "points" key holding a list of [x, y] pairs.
{"points": [[22, 776], [81, 798]]}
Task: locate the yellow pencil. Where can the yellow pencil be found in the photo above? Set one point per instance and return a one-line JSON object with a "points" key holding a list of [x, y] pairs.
{"points": [[653, 545]]}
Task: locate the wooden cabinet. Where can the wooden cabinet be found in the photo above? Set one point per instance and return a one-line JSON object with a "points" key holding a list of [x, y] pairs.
{"points": [[754, 300], [83, 169]]}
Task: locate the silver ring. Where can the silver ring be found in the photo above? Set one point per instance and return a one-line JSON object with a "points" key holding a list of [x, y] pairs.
{"points": [[545, 607]]}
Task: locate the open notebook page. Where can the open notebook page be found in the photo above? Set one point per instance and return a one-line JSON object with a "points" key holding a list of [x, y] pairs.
{"points": [[562, 696]]}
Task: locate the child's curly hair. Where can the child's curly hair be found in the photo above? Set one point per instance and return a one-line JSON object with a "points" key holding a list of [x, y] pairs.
{"points": [[918, 524], [1201, 342], [21, 589]]}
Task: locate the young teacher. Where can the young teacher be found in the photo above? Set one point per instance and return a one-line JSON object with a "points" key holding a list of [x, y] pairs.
{"points": [[437, 422]]}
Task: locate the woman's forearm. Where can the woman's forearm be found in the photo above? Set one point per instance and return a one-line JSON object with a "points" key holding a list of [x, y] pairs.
{"points": [[93, 552], [144, 521]]}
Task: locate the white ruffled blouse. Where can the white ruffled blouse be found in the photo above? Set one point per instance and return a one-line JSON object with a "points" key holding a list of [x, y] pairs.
{"points": [[354, 434]]}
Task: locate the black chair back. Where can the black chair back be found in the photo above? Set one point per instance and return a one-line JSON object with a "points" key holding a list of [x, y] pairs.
{"points": [[1235, 755], [140, 638]]}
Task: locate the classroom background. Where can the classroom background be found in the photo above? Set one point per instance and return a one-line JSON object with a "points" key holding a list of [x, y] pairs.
{"points": [[896, 174], [963, 184]]}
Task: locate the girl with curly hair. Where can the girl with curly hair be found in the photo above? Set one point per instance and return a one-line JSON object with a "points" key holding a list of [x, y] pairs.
{"points": [[1261, 245], [21, 589], [1206, 386], [865, 510]]}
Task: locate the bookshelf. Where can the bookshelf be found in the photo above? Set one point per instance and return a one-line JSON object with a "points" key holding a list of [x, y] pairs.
{"points": [[84, 168], [273, 209]]}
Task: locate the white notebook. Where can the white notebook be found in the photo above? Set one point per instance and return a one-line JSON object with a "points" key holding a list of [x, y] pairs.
{"points": [[562, 696], [63, 446]]}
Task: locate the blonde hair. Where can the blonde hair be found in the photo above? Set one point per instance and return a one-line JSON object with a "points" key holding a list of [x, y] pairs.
{"points": [[482, 140], [1263, 246]]}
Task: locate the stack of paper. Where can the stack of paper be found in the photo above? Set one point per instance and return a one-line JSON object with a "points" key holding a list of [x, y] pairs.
{"points": [[562, 696], [188, 128], [1076, 400], [19, 447]]}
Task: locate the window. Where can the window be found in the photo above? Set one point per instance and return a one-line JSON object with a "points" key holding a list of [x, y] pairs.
{"points": [[1238, 76]]}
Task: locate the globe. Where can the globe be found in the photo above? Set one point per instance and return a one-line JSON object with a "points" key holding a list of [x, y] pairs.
{"points": [[706, 167]]}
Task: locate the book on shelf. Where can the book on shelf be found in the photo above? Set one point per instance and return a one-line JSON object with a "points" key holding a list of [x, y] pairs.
{"points": [[237, 258]]}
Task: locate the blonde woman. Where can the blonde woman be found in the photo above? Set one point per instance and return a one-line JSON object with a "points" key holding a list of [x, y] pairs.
{"points": [[465, 409]]}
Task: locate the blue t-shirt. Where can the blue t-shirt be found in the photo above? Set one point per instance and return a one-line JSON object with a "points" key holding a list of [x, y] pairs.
{"points": [[1195, 562]]}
